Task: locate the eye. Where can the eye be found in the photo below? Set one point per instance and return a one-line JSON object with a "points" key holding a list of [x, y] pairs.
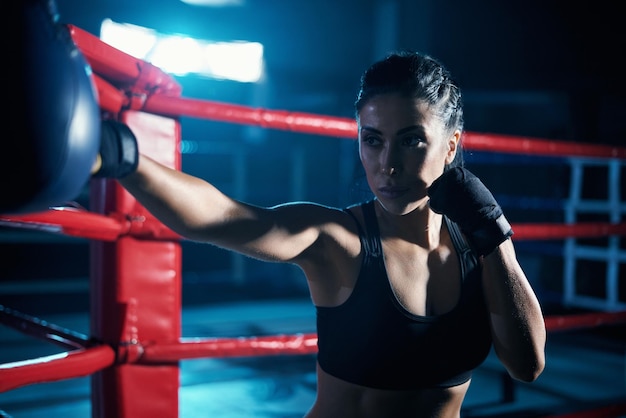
{"points": [[371, 140], [413, 140]]}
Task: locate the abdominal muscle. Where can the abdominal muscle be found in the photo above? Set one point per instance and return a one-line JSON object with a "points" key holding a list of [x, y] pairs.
{"points": [[338, 398]]}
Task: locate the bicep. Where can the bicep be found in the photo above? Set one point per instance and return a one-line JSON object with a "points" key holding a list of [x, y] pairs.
{"points": [[198, 211], [280, 234]]}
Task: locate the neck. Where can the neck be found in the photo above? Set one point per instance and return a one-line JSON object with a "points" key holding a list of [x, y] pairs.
{"points": [[421, 226]]}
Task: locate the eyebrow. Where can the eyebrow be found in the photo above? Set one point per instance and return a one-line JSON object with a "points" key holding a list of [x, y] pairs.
{"points": [[400, 131]]}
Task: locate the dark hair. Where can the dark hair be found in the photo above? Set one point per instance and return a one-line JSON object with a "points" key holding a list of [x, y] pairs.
{"points": [[421, 77]]}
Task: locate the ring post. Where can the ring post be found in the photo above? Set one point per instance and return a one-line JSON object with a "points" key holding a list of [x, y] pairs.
{"points": [[136, 290]]}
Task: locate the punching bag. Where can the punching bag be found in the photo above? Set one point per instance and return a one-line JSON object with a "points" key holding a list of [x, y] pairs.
{"points": [[47, 160]]}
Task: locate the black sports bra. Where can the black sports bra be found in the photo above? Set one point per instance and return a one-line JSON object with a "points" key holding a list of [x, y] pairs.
{"points": [[371, 340]]}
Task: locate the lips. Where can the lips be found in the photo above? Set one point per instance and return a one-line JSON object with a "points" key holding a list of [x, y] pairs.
{"points": [[392, 192]]}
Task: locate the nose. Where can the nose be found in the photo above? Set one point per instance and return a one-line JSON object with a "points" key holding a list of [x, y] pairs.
{"points": [[390, 163]]}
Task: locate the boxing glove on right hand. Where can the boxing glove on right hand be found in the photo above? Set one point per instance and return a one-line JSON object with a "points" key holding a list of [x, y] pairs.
{"points": [[119, 152], [463, 198]]}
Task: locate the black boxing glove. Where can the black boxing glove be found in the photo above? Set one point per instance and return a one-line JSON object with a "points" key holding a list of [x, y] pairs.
{"points": [[119, 153], [463, 198]]}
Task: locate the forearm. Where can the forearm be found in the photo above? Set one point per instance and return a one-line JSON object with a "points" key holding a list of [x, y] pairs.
{"points": [[186, 204], [198, 211], [517, 320]]}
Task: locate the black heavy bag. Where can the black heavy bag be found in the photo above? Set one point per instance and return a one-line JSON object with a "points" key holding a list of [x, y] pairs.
{"points": [[47, 160]]}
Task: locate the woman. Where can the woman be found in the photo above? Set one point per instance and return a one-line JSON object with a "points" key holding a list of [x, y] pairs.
{"points": [[413, 287]]}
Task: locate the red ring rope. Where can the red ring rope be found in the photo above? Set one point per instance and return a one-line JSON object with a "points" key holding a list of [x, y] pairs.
{"points": [[83, 362], [49, 368], [85, 224], [159, 94]]}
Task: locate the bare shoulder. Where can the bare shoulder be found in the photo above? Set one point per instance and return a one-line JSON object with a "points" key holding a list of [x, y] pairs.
{"points": [[332, 261], [336, 229], [313, 214]]}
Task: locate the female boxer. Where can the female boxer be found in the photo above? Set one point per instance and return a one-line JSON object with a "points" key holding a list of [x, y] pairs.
{"points": [[413, 287]]}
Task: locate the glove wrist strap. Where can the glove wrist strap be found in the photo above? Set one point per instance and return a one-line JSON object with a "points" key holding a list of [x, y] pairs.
{"points": [[485, 239], [119, 152]]}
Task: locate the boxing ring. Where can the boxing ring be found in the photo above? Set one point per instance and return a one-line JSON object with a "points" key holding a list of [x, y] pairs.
{"points": [[135, 346]]}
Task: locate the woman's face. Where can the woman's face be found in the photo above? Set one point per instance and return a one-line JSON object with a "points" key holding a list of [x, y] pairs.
{"points": [[403, 147]]}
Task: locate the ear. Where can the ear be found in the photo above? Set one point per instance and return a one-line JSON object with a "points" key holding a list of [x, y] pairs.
{"points": [[453, 143]]}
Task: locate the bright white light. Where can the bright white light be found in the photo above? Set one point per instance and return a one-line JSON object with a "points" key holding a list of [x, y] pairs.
{"points": [[134, 40], [240, 61], [177, 55], [180, 55]]}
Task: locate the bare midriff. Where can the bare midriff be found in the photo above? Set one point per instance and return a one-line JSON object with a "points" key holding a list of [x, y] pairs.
{"points": [[338, 398]]}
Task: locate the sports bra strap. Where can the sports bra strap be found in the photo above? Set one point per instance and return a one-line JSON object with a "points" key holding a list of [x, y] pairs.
{"points": [[468, 258], [372, 245], [371, 229], [369, 241]]}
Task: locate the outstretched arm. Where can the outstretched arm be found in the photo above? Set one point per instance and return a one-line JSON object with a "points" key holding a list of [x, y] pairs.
{"points": [[198, 211], [517, 322], [188, 205]]}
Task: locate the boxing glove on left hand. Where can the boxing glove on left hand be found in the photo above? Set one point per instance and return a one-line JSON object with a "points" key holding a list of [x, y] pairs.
{"points": [[463, 198], [119, 153]]}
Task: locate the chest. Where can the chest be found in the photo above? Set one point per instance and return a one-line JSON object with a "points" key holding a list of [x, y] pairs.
{"points": [[424, 282]]}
